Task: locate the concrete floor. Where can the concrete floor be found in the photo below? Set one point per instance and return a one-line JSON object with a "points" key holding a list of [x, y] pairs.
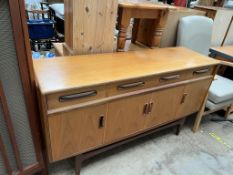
{"points": [[208, 152]]}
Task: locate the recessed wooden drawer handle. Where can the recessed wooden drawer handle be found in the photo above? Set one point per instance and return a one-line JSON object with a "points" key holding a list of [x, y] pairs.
{"points": [[77, 96], [131, 85], [101, 122], [202, 71], [183, 98], [172, 77], [145, 108], [150, 107]]}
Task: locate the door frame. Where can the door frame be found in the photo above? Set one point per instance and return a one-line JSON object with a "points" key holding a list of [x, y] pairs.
{"points": [[23, 54]]}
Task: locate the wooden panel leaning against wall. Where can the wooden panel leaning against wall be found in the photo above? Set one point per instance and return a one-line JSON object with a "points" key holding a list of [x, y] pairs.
{"points": [[89, 26], [20, 144]]}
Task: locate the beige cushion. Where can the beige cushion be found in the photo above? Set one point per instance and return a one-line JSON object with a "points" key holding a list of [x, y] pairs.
{"points": [[221, 90]]}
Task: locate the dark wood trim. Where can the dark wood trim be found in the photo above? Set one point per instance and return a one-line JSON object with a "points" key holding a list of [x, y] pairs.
{"points": [[215, 53], [82, 157], [4, 156], [10, 128], [31, 169], [23, 51]]}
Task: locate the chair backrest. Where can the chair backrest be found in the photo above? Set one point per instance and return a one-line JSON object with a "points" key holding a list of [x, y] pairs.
{"points": [[195, 32]]}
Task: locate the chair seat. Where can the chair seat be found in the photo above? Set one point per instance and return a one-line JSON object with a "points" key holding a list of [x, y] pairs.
{"points": [[221, 90], [210, 105]]}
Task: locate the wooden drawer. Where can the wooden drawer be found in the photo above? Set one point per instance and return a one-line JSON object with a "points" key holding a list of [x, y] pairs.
{"points": [[185, 75], [76, 131], [73, 97], [173, 77], [204, 71], [130, 86]]}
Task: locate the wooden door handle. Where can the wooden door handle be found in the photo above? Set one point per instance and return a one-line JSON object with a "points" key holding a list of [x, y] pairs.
{"points": [[145, 108], [101, 121], [183, 98], [150, 107]]}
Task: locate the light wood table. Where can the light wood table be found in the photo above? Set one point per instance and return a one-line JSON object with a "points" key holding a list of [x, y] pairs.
{"points": [[93, 103], [210, 10], [141, 10]]}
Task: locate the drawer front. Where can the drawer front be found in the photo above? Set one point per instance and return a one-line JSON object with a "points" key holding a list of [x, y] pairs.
{"points": [[76, 131], [64, 99], [185, 75], [130, 86], [173, 77], [204, 71]]}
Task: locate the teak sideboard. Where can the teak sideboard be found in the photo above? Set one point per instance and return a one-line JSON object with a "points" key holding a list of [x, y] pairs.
{"points": [[91, 101]]}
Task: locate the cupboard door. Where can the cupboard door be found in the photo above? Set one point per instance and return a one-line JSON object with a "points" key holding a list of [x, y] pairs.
{"points": [[163, 106], [125, 117], [192, 98], [76, 131]]}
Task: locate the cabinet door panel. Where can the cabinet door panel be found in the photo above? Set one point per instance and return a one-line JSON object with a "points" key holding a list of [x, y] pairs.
{"points": [[76, 131], [192, 98], [125, 117], [165, 103]]}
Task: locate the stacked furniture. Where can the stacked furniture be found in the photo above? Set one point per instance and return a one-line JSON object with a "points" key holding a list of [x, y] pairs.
{"points": [[93, 103], [199, 39], [222, 27], [150, 14], [169, 35]]}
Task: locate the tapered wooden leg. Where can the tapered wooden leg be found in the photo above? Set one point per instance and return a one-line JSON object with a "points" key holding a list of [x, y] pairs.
{"points": [[228, 111], [78, 164], [200, 115], [179, 127]]}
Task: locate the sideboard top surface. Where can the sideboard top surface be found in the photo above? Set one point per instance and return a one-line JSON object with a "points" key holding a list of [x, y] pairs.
{"points": [[73, 72]]}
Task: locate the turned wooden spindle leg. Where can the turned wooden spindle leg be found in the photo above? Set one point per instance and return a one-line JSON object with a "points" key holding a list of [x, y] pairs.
{"points": [[159, 28], [123, 23]]}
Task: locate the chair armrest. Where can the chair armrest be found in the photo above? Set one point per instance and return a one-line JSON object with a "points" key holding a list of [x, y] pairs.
{"points": [[226, 63]]}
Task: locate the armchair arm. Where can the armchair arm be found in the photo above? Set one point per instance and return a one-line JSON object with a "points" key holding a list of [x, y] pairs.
{"points": [[226, 63]]}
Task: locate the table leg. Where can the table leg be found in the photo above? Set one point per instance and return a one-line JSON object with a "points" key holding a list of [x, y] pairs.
{"points": [[158, 29], [124, 17], [135, 30]]}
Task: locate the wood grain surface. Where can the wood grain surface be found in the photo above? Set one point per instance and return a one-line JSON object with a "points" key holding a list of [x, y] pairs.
{"points": [[67, 73]]}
